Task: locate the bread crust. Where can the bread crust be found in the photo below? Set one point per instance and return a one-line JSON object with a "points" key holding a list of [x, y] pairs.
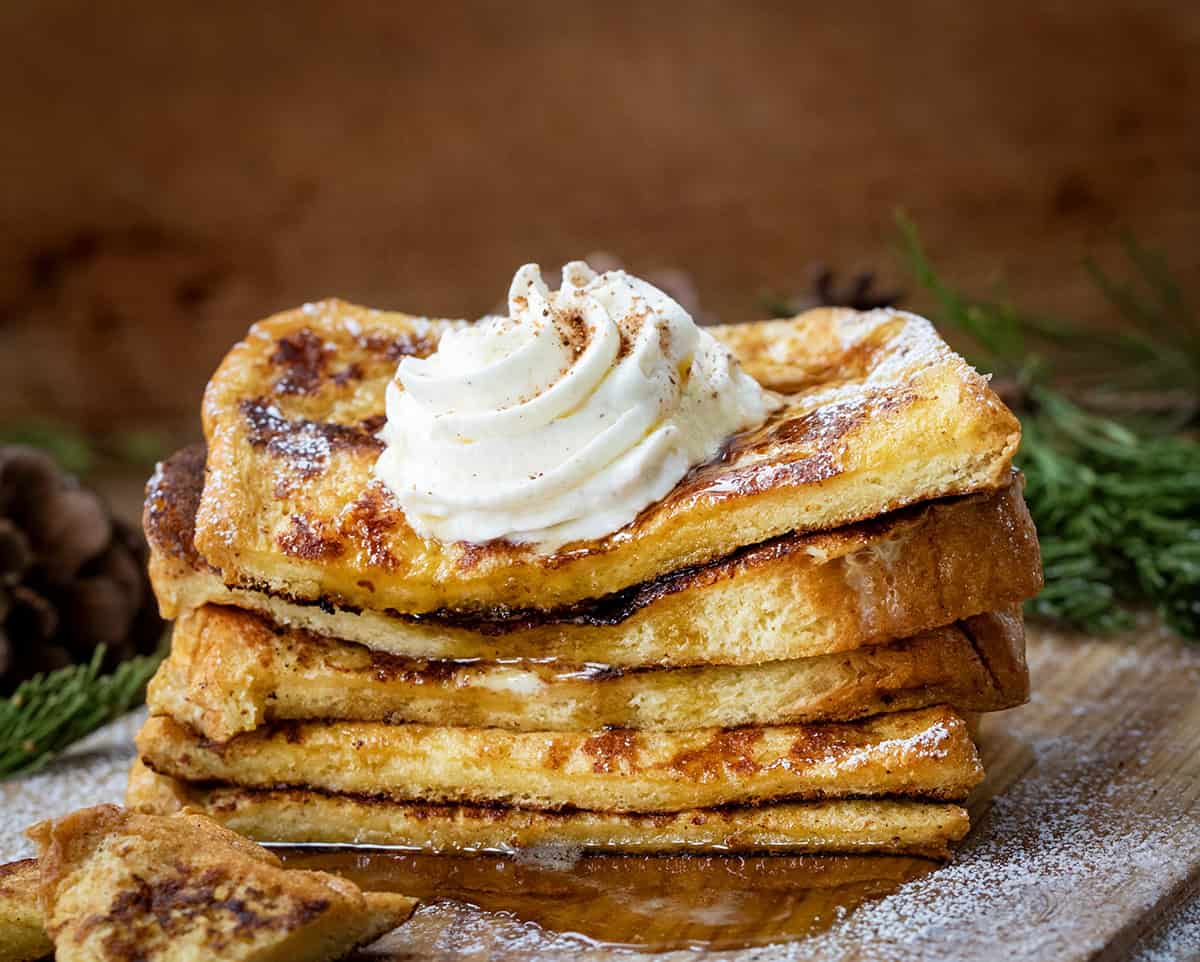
{"points": [[794, 597], [117, 886], [231, 671], [22, 933]]}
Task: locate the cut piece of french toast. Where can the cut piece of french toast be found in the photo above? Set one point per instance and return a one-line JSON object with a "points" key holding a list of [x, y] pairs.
{"points": [[794, 597], [118, 886], [303, 816], [22, 935], [926, 754], [878, 413], [231, 671]]}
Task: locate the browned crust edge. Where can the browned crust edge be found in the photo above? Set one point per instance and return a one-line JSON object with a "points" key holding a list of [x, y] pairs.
{"points": [[173, 497]]}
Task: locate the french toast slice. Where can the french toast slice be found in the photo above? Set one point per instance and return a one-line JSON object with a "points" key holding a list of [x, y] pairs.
{"points": [[878, 413], [232, 671], [301, 816], [119, 885], [22, 935], [927, 754], [794, 597]]}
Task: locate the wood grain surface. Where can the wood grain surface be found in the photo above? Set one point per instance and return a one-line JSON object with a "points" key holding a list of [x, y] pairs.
{"points": [[1087, 833]]}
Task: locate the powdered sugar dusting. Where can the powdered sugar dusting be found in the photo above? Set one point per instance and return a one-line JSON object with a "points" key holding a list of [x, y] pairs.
{"points": [[1079, 844], [1177, 939], [91, 773]]}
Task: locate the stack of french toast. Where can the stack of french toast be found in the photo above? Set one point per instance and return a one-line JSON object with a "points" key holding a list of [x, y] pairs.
{"points": [[782, 654]]}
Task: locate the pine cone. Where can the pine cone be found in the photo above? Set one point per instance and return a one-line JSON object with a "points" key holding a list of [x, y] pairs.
{"points": [[824, 291], [71, 576]]}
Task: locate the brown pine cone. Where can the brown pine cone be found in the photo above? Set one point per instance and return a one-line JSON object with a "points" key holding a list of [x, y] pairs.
{"points": [[824, 290], [71, 576]]}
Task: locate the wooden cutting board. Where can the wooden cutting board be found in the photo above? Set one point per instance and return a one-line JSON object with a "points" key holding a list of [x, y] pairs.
{"points": [[1087, 831]]}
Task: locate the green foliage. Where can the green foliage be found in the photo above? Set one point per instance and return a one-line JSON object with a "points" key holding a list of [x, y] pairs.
{"points": [[1118, 514], [49, 712], [1117, 503], [70, 448], [80, 453], [1157, 350], [1161, 345]]}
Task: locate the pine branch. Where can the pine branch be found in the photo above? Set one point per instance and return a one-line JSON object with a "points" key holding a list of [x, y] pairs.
{"points": [[1118, 515], [1117, 503], [49, 712], [1152, 366], [82, 453]]}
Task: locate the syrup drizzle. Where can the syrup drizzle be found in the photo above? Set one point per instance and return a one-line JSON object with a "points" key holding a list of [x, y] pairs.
{"points": [[649, 903]]}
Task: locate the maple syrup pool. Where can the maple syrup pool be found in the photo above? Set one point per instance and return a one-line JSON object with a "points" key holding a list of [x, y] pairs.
{"points": [[652, 903]]}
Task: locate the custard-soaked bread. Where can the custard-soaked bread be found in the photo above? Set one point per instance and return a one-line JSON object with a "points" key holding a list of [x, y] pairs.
{"points": [[231, 671], [879, 413], [925, 753], [22, 934], [304, 816], [793, 597], [118, 886]]}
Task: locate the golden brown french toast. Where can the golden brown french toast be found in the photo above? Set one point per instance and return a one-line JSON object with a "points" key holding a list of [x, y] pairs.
{"points": [[304, 816], [22, 935], [926, 754], [231, 671], [793, 597], [119, 886], [879, 413]]}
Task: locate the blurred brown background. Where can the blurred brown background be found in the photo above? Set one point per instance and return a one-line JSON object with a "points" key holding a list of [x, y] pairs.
{"points": [[174, 171]]}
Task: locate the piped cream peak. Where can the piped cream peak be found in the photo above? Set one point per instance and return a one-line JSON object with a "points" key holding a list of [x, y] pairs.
{"points": [[563, 420]]}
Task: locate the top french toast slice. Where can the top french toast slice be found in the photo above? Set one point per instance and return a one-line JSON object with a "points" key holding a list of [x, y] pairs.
{"points": [[878, 413]]}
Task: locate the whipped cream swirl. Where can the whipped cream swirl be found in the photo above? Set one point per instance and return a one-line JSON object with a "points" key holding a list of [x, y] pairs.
{"points": [[565, 419]]}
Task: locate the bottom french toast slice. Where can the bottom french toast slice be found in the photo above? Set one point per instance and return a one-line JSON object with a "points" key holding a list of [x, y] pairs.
{"points": [[300, 816], [117, 886], [927, 754]]}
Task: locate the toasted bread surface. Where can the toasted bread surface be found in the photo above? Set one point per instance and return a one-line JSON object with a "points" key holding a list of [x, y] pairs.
{"points": [[118, 886], [304, 816], [798, 596], [879, 413], [22, 935], [926, 753], [231, 671]]}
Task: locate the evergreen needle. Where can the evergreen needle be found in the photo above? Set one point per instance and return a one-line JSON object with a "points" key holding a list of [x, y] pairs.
{"points": [[1116, 503], [49, 712]]}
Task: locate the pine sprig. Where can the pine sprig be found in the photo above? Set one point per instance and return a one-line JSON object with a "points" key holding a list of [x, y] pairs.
{"points": [[1118, 515], [1117, 503], [1150, 365], [49, 712], [82, 452]]}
